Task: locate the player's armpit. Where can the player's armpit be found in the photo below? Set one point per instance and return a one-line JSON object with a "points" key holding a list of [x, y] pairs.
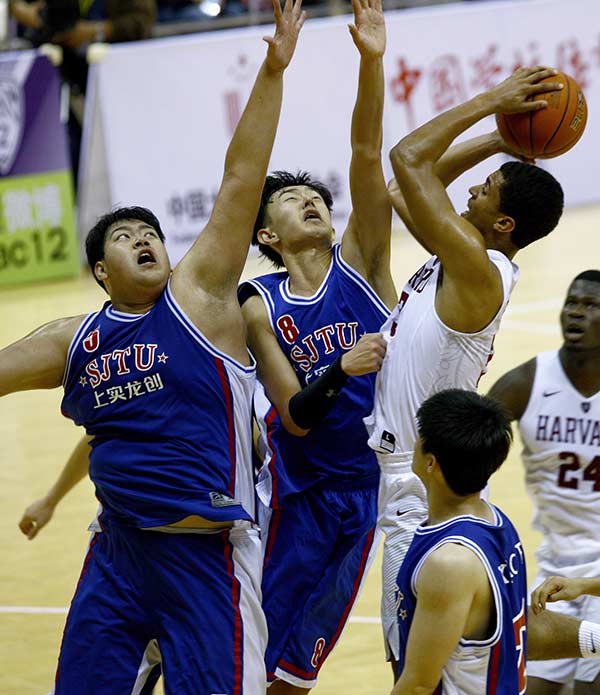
{"points": [[513, 389], [38, 360], [274, 370], [446, 587]]}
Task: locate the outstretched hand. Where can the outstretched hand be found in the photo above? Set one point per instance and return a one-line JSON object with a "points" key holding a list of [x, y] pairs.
{"points": [[513, 95], [368, 30], [288, 23], [555, 589]]}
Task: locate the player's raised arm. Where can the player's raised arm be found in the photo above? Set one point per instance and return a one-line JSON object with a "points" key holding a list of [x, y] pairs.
{"points": [[215, 261], [366, 241], [459, 242], [447, 585], [459, 158], [39, 513], [38, 360]]}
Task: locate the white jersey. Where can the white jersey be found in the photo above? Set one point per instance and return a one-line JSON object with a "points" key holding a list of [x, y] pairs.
{"points": [[560, 430], [424, 356]]}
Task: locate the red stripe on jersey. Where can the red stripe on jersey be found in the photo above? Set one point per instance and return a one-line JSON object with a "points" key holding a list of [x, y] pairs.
{"points": [[230, 421], [357, 581], [269, 421], [493, 670], [86, 562], [286, 666], [237, 629], [294, 670]]}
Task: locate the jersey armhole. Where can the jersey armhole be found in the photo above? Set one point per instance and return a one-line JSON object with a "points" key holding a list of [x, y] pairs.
{"points": [[468, 543], [506, 291], [357, 278]]}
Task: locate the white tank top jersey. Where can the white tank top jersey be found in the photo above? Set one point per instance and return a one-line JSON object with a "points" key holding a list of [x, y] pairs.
{"points": [[560, 430], [424, 356]]}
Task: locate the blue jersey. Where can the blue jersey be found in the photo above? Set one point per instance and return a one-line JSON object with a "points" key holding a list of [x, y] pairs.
{"points": [[170, 416], [313, 332], [476, 667]]}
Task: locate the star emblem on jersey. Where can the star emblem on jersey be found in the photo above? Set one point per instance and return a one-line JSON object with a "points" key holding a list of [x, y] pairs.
{"points": [[83, 381], [162, 358], [403, 614]]}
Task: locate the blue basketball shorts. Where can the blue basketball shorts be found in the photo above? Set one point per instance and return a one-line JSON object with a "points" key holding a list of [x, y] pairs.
{"points": [[192, 599], [317, 550]]}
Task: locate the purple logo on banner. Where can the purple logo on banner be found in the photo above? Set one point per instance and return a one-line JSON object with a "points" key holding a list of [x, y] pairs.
{"points": [[12, 117], [32, 138]]}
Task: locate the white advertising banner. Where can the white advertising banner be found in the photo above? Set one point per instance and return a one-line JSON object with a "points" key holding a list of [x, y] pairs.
{"points": [[166, 108]]}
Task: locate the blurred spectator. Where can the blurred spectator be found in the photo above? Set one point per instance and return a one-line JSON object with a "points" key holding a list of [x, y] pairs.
{"points": [[74, 24]]}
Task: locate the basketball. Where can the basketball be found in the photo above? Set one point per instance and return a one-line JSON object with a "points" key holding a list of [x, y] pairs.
{"points": [[551, 131]]}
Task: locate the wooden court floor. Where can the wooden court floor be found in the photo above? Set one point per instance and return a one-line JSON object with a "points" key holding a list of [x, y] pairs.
{"points": [[37, 578]]}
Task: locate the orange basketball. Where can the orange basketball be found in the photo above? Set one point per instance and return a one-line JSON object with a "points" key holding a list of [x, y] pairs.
{"points": [[551, 131]]}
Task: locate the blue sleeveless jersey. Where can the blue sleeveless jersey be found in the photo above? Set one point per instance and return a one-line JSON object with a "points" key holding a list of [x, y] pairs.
{"points": [[313, 332], [495, 665], [170, 416]]}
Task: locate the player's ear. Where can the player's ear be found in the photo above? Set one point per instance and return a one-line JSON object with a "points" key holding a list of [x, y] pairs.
{"points": [[504, 224], [266, 236], [100, 271], [431, 463]]}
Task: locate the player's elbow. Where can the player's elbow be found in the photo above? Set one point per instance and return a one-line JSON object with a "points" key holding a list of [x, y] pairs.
{"points": [[291, 426], [404, 158]]}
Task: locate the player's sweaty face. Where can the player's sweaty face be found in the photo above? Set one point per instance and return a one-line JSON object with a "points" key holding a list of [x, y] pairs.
{"points": [[580, 316], [484, 203], [133, 249], [298, 207]]}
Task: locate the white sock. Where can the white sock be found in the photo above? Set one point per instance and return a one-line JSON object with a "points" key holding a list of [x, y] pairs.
{"points": [[589, 639]]}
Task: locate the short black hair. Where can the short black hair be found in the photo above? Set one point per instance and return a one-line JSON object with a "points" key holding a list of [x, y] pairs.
{"points": [[275, 182], [533, 198], [94, 242], [588, 275], [469, 435]]}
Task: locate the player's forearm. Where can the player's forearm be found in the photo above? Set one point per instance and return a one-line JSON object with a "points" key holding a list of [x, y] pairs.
{"points": [[465, 155], [311, 405], [452, 164], [409, 685], [250, 148], [429, 142], [74, 471], [589, 586], [367, 132]]}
